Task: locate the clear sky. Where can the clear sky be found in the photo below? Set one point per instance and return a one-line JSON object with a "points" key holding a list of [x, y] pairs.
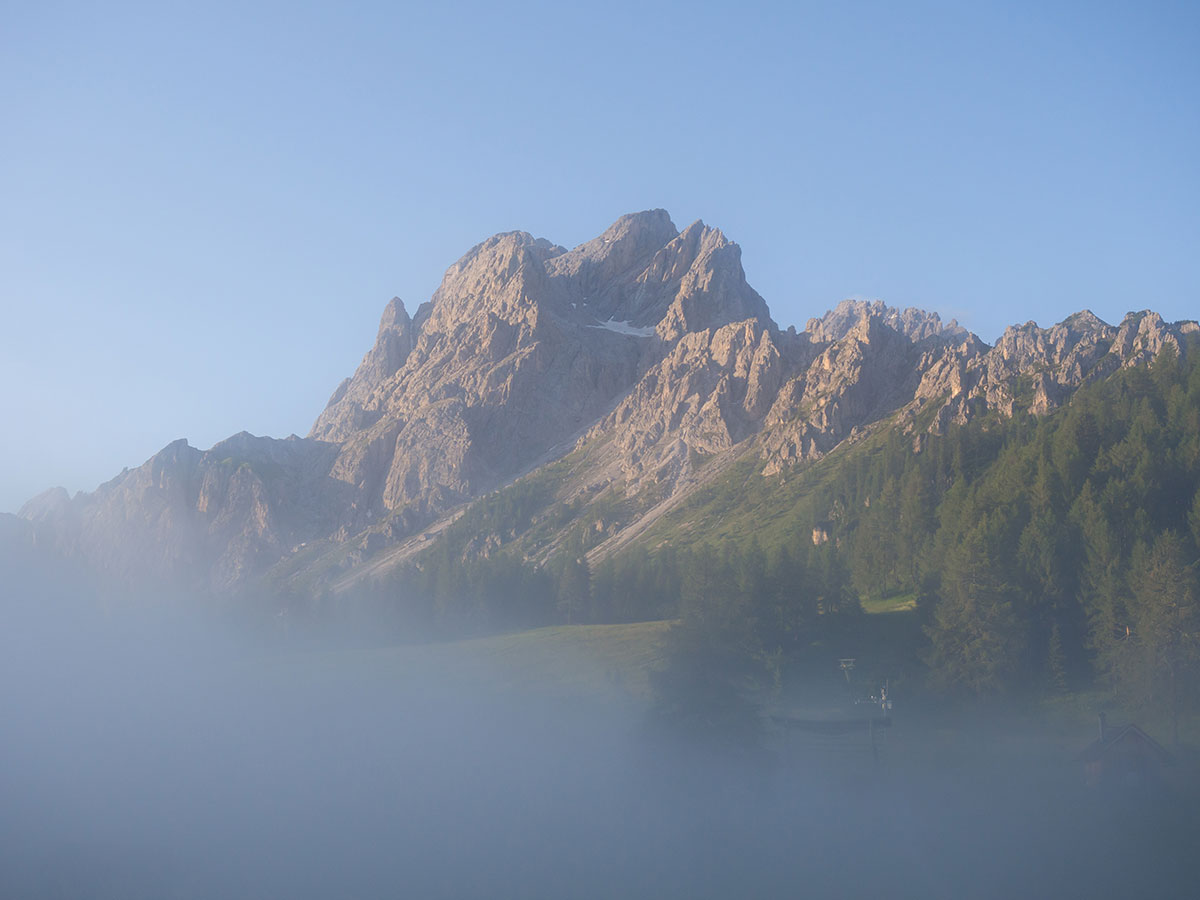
{"points": [[204, 207]]}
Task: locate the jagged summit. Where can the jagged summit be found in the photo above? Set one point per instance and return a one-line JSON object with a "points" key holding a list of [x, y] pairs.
{"points": [[524, 345], [345, 411], [45, 505], [916, 324], [703, 270], [589, 271]]}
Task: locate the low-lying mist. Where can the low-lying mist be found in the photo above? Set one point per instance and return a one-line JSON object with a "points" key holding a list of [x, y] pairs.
{"points": [[162, 755]]}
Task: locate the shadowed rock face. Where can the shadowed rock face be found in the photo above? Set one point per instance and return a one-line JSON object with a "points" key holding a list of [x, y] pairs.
{"points": [[201, 518], [645, 345]]}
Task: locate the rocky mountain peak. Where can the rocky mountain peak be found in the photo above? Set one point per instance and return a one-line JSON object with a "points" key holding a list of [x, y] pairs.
{"points": [[589, 273], [504, 276], [673, 260], [915, 324], [525, 342], [1142, 335], [45, 505], [1082, 321], [702, 269], [344, 413], [395, 316]]}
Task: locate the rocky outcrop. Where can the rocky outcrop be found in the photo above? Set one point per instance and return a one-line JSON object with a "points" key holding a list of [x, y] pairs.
{"points": [[800, 394], [1038, 369], [915, 324], [701, 271], [346, 411], [599, 277], [869, 361], [710, 392]]}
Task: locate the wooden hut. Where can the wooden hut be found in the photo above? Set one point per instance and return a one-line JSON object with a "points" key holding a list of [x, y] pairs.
{"points": [[1123, 756]]}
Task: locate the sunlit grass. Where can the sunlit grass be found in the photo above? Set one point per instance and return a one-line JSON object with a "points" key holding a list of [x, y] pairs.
{"points": [[893, 604]]}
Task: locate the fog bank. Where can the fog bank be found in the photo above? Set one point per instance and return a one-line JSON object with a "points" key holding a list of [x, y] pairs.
{"points": [[160, 756]]}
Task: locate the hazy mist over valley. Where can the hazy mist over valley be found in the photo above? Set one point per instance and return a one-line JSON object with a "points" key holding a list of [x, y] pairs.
{"points": [[638, 554], [163, 756]]}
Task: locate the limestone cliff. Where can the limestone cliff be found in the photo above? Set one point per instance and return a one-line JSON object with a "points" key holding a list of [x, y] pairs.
{"points": [[525, 345], [1037, 369]]}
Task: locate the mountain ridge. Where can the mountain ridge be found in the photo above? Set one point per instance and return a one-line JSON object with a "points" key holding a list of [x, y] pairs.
{"points": [[645, 349]]}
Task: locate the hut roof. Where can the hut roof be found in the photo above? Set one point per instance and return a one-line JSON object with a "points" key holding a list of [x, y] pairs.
{"points": [[1118, 734]]}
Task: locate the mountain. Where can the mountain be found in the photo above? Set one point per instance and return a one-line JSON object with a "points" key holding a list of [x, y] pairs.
{"points": [[524, 345], [617, 378]]}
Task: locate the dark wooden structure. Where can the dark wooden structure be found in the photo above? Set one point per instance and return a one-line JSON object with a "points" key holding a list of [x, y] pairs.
{"points": [[1123, 756]]}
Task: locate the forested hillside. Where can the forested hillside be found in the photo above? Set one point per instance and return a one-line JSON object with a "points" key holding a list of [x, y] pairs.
{"points": [[1037, 554]]}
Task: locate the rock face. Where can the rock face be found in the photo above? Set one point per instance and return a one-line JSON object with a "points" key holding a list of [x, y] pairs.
{"points": [[347, 408], [869, 362], [914, 324], [1039, 368], [644, 346], [798, 394], [711, 391], [524, 345], [202, 519]]}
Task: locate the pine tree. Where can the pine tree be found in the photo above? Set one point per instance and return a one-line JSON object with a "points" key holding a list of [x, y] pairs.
{"points": [[1167, 622], [573, 588], [976, 640], [1056, 663]]}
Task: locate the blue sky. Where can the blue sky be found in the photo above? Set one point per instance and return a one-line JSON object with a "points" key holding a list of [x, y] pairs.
{"points": [[205, 207]]}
